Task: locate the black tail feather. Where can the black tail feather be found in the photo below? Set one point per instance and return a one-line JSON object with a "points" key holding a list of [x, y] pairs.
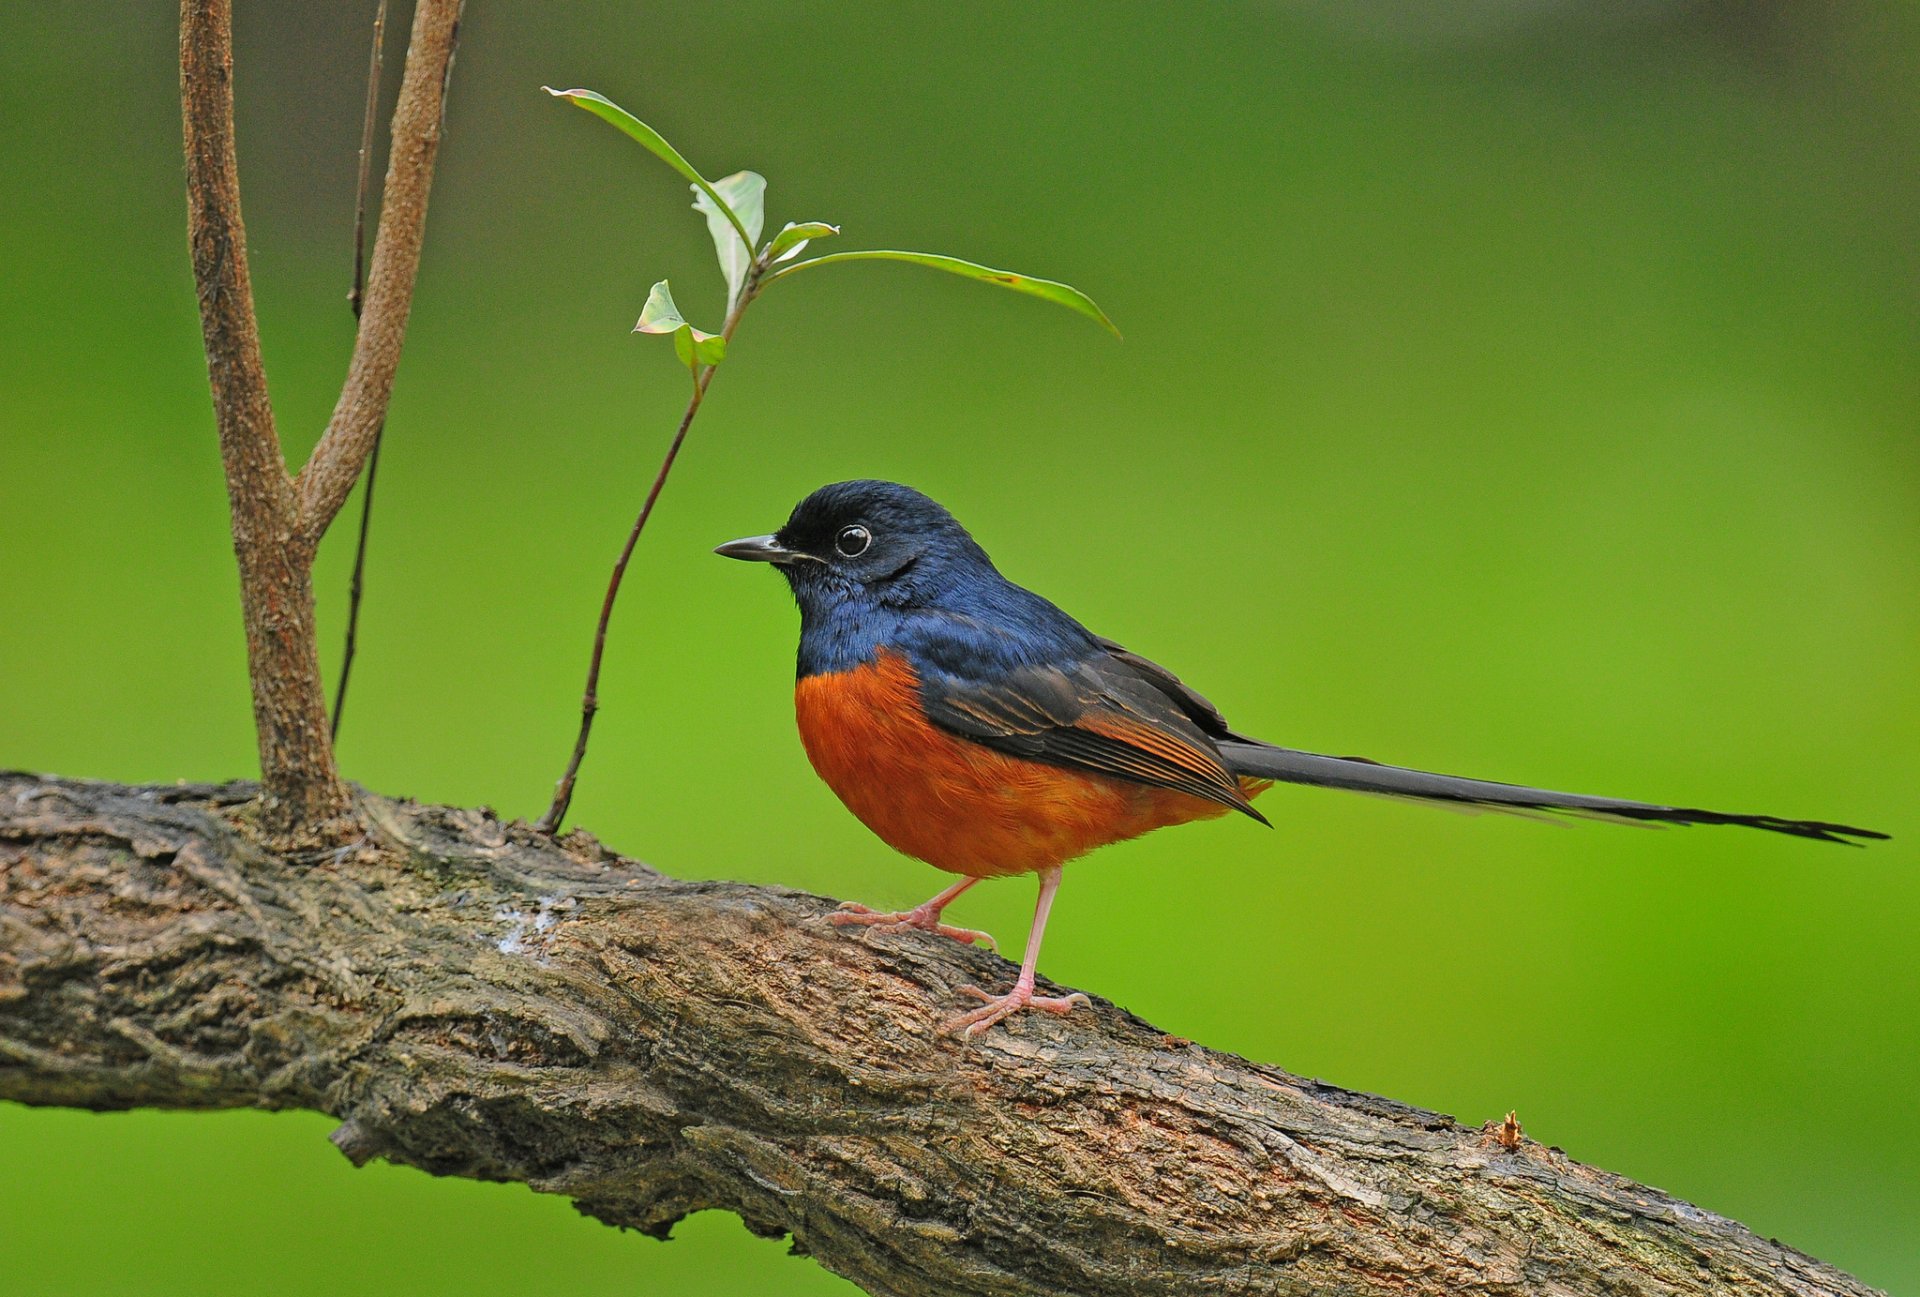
{"points": [[1357, 774]]}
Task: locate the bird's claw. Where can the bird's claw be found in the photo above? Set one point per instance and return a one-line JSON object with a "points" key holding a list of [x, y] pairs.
{"points": [[852, 913], [998, 1007]]}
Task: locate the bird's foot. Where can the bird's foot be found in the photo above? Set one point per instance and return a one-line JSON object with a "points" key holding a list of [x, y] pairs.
{"points": [[997, 1007], [922, 917]]}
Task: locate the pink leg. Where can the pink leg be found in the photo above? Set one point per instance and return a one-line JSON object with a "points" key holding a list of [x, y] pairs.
{"points": [[924, 917], [1021, 996]]}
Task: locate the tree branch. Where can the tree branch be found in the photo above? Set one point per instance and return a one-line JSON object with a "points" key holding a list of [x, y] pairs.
{"points": [[217, 244], [302, 787], [556, 812], [277, 522], [357, 586], [418, 117], [475, 999]]}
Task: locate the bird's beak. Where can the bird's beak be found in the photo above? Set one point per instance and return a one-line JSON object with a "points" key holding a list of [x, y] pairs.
{"points": [[759, 549]]}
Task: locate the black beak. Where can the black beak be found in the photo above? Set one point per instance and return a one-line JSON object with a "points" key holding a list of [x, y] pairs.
{"points": [[760, 549]]}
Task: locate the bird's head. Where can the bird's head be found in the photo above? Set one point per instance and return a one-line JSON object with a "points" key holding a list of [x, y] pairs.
{"points": [[867, 543]]}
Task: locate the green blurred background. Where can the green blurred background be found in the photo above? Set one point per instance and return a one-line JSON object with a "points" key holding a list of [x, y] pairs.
{"points": [[1514, 392]]}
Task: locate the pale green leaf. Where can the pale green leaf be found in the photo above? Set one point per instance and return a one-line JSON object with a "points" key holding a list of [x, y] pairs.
{"points": [[795, 236], [655, 143], [1064, 294], [693, 346], [659, 315], [744, 194]]}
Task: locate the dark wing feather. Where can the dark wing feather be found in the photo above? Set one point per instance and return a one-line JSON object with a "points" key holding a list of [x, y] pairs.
{"points": [[1197, 709], [1101, 715]]}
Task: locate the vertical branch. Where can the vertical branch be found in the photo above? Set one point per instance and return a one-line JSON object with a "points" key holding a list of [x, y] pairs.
{"points": [[590, 698], [418, 117], [277, 522], [358, 584], [366, 161], [275, 554]]}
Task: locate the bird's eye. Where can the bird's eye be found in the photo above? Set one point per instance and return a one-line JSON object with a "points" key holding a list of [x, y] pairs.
{"points": [[852, 542]]}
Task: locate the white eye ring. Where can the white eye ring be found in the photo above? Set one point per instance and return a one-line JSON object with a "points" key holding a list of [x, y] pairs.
{"points": [[852, 541]]}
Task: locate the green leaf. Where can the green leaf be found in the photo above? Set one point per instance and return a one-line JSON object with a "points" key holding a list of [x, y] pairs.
{"points": [[608, 111], [660, 314], [695, 347], [744, 194], [1064, 294], [795, 236]]}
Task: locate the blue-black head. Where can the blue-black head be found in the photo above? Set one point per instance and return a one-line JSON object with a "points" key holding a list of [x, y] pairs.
{"points": [[878, 565], [872, 544]]}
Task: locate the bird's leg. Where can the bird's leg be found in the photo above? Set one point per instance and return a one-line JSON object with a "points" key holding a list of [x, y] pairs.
{"points": [[1021, 996], [924, 917]]}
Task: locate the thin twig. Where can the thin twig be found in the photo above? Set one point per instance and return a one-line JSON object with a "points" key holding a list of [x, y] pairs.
{"points": [[366, 160], [590, 698], [358, 584]]}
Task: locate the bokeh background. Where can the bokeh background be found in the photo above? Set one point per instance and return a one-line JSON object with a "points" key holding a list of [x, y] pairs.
{"points": [[1507, 389]]}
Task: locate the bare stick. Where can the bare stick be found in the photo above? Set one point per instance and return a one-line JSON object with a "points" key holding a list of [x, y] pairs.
{"points": [[590, 698], [366, 159], [335, 464], [357, 585], [277, 522], [478, 1000], [302, 788]]}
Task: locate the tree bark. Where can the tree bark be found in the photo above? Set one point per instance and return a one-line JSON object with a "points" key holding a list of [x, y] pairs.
{"points": [[473, 998], [419, 116], [302, 786], [278, 521]]}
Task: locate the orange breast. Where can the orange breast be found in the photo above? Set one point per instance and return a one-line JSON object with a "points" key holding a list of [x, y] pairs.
{"points": [[955, 804]]}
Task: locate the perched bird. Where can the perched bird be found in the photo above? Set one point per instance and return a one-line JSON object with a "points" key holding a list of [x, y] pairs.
{"points": [[973, 725]]}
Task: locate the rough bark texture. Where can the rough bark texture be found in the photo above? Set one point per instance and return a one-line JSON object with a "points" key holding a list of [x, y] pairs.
{"points": [[474, 999]]}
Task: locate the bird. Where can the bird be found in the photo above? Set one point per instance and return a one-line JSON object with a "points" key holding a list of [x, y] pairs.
{"points": [[972, 724]]}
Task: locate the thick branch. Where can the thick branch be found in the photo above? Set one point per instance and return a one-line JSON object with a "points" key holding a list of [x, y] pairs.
{"points": [[418, 118], [475, 999], [275, 553]]}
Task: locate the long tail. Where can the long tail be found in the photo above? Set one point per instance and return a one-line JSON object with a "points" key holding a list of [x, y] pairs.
{"points": [[1357, 774]]}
